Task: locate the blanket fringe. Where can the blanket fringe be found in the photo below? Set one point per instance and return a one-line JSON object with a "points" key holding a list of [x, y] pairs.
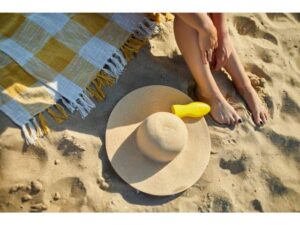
{"points": [[102, 80], [115, 65], [131, 47], [83, 104], [59, 116], [43, 124], [28, 138], [30, 132], [146, 29], [68, 104], [39, 131]]}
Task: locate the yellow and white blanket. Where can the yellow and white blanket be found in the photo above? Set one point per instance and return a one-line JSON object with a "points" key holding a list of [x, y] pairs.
{"points": [[52, 62]]}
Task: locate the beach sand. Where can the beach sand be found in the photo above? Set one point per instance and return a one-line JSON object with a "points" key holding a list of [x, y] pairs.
{"points": [[250, 169]]}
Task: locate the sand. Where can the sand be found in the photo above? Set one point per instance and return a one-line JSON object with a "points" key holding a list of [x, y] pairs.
{"points": [[251, 169]]}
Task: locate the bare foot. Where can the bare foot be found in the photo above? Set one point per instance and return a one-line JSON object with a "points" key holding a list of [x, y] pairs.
{"points": [[259, 112], [221, 111]]}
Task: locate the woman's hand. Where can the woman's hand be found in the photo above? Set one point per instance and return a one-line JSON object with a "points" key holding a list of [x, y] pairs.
{"points": [[222, 52], [208, 41]]}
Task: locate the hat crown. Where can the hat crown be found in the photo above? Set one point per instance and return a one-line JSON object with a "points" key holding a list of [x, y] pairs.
{"points": [[162, 136]]}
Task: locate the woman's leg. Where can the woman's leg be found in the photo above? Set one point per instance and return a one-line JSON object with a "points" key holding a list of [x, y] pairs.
{"points": [[207, 89], [236, 70]]}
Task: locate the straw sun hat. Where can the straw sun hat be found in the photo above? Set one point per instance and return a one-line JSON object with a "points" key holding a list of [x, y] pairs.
{"points": [[150, 148]]}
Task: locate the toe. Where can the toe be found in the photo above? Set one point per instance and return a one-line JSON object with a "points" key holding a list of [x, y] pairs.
{"points": [[237, 118], [263, 118], [227, 120], [222, 120], [257, 120], [232, 120]]}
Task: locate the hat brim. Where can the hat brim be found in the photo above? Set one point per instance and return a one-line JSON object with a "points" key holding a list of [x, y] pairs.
{"points": [[137, 170]]}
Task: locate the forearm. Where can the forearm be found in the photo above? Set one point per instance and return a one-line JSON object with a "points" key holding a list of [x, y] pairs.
{"points": [[219, 20], [198, 21]]}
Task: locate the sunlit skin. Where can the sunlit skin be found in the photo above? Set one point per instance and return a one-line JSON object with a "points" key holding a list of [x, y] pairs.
{"points": [[205, 44]]}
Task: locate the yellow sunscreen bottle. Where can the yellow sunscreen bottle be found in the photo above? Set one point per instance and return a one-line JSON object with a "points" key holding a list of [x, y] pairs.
{"points": [[193, 109]]}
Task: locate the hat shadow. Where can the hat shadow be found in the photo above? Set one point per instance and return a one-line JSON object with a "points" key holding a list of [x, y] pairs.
{"points": [[136, 161], [129, 193]]}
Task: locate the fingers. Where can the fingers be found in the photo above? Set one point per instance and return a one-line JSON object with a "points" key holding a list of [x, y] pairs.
{"points": [[204, 57], [221, 60], [219, 64], [209, 54]]}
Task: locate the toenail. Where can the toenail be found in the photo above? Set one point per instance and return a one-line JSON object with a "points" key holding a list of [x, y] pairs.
{"points": [[239, 120], [261, 123]]}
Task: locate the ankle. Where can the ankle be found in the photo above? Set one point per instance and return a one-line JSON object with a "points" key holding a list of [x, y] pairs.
{"points": [[210, 96], [245, 87]]}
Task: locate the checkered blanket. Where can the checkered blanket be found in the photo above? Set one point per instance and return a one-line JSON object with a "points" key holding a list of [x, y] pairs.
{"points": [[55, 63]]}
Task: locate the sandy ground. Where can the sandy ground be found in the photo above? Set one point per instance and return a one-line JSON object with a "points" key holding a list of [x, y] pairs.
{"points": [[251, 169]]}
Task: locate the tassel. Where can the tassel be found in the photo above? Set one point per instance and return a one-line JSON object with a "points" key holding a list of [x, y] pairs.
{"points": [[150, 27], [121, 59], [146, 29], [105, 79], [37, 127], [95, 89], [68, 105], [43, 124], [118, 65], [32, 131], [28, 138], [98, 86], [131, 47], [126, 53], [61, 110], [59, 118], [88, 101], [110, 68], [143, 30], [80, 107], [94, 93]]}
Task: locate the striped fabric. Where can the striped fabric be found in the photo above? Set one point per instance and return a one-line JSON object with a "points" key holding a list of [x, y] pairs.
{"points": [[52, 62]]}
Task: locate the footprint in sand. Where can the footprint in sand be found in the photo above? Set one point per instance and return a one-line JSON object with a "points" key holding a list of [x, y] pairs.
{"points": [[268, 55], [289, 106], [234, 166], [40, 152], [275, 185], [78, 189], [279, 17], [289, 145], [258, 71], [69, 147], [257, 205], [247, 26], [221, 204]]}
